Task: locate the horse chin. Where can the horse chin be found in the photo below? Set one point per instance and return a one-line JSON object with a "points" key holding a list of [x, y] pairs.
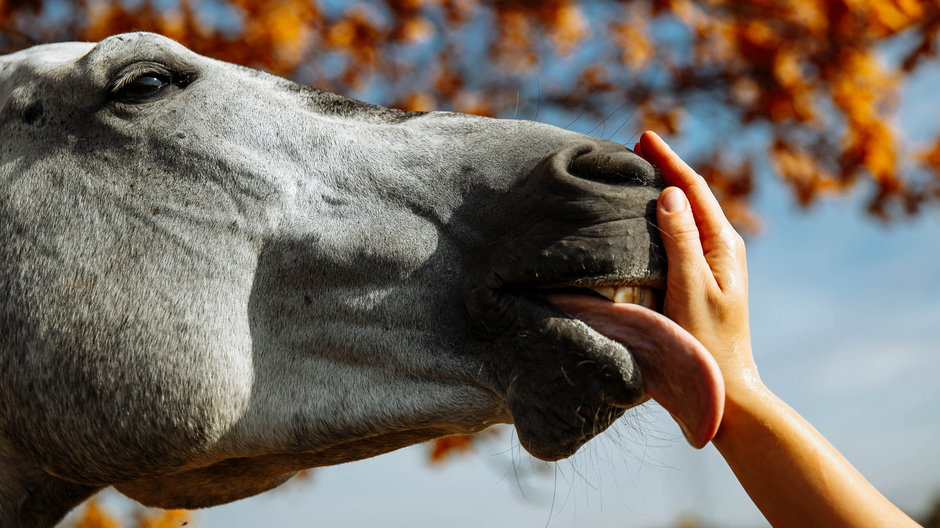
{"points": [[564, 383]]}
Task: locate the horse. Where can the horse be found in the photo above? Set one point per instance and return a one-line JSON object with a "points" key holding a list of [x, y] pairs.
{"points": [[213, 277]]}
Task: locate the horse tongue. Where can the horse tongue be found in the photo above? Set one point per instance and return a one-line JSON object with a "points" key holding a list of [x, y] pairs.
{"points": [[677, 370]]}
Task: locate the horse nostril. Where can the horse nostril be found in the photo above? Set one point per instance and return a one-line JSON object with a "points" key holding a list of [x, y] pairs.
{"points": [[613, 164]]}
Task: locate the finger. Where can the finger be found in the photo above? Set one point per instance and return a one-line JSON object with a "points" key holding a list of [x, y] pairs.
{"points": [[722, 245], [682, 242], [658, 152], [638, 150], [710, 218]]}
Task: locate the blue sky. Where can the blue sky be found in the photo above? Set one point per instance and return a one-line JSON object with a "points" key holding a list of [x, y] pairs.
{"points": [[846, 328]]}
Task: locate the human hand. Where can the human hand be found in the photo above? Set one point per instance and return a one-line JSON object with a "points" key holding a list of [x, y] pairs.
{"points": [[706, 283], [793, 474]]}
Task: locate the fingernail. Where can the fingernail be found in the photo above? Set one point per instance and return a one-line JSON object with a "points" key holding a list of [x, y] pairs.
{"points": [[673, 200]]}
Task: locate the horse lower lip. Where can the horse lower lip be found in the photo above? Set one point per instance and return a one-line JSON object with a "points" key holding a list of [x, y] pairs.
{"points": [[677, 370], [563, 382]]}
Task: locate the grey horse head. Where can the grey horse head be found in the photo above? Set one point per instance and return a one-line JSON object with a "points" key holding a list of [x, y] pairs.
{"points": [[213, 277]]}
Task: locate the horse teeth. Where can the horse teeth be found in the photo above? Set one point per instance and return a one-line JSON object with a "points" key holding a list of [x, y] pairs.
{"points": [[606, 291], [628, 294]]}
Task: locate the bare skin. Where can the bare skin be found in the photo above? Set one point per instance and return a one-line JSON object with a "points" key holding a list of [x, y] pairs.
{"points": [[791, 472]]}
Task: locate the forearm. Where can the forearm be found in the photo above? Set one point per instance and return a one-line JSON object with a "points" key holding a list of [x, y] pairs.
{"points": [[791, 472]]}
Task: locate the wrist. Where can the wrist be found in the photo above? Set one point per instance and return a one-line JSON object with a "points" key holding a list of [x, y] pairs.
{"points": [[745, 398]]}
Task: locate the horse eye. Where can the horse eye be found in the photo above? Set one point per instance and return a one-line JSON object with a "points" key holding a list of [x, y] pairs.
{"points": [[143, 86]]}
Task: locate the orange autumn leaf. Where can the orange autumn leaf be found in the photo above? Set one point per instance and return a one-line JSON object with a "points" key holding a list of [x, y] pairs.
{"points": [[416, 102], [667, 120], [448, 446], [636, 46], [415, 30], [513, 46], [473, 103], [164, 519], [732, 182], [930, 157], [567, 26], [802, 172], [94, 516]]}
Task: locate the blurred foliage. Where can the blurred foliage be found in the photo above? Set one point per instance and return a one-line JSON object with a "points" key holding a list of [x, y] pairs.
{"points": [[444, 448], [811, 77], [817, 81], [93, 515]]}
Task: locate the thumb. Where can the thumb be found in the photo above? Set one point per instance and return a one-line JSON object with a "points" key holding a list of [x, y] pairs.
{"points": [[681, 240]]}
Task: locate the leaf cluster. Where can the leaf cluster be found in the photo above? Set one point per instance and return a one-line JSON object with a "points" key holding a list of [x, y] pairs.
{"points": [[817, 81]]}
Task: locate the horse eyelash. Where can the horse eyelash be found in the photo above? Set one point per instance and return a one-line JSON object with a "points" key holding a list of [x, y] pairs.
{"points": [[137, 70]]}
